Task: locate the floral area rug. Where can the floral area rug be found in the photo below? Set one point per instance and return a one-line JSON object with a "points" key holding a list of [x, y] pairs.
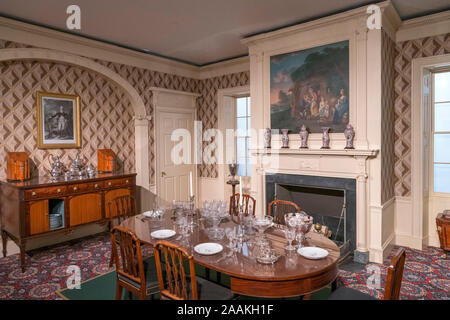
{"points": [[426, 276]]}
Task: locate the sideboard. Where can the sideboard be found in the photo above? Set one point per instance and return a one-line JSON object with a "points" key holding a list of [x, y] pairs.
{"points": [[42, 207]]}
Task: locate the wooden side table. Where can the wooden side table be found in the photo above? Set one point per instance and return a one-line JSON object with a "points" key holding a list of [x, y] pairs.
{"points": [[443, 229]]}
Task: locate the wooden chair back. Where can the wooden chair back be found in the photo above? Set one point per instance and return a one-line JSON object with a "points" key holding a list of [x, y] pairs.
{"points": [[280, 208], [248, 202], [127, 254], [175, 286], [123, 207], [395, 275]]}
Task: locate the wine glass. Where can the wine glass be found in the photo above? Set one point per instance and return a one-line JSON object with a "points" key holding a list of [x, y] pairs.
{"points": [[290, 236], [230, 233]]}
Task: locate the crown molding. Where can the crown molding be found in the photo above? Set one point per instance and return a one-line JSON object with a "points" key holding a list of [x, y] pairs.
{"points": [[241, 64], [427, 26], [314, 24], [391, 21], [41, 37]]}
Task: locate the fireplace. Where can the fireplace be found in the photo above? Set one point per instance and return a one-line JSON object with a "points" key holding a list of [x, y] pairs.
{"points": [[330, 201]]}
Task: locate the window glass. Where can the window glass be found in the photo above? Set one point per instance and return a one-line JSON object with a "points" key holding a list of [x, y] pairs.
{"points": [[243, 126], [241, 105], [441, 132], [442, 117], [442, 148], [442, 178], [442, 87]]}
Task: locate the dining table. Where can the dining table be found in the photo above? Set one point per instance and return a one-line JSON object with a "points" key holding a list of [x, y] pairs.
{"points": [[292, 275]]}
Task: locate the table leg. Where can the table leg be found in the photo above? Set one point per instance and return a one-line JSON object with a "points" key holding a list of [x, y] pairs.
{"points": [[334, 285], [22, 255], [4, 243]]}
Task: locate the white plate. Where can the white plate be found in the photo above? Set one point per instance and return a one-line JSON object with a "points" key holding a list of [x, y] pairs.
{"points": [[313, 253], [163, 234], [208, 248]]}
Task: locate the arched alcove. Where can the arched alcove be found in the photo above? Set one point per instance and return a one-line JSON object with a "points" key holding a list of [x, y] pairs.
{"points": [[140, 115]]}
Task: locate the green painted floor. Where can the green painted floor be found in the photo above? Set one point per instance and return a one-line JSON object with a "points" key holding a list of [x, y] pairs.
{"points": [[104, 288]]}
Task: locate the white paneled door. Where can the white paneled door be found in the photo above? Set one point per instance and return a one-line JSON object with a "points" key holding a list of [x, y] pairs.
{"points": [[175, 158]]}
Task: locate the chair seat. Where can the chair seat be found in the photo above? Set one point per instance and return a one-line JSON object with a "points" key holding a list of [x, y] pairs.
{"points": [[344, 293], [151, 277], [208, 290]]}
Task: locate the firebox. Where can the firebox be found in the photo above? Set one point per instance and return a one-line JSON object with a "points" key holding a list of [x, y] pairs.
{"points": [[330, 201]]}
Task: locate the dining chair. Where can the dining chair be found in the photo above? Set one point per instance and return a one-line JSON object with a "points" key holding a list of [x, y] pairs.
{"points": [[177, 284], [280, 208], [120, 208], [391, 289], [131, 272], [248, 202]]}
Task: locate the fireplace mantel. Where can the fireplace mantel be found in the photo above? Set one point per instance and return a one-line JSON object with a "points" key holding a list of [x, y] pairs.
{"points": [[317, 152]]}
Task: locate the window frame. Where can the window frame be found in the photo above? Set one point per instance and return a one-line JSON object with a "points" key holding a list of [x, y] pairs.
{"points": [[433, 133], [247, 136]]}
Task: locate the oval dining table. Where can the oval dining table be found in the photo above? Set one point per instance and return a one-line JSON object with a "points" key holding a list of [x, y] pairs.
{"points": [[292, 275]]}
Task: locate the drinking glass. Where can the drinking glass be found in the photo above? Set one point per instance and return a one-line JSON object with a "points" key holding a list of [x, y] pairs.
{"points": [[290, 236], [230, 233]]}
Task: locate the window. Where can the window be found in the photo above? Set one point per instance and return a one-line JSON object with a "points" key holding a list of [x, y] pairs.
{"points": [[243, 135], [441, 132]]}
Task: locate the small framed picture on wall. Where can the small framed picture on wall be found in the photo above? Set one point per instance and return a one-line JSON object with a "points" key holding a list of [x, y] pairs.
{"points": [[58, 121]]}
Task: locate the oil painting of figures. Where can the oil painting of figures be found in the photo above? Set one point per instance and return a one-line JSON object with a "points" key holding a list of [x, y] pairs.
{"points": [[310, 87]]}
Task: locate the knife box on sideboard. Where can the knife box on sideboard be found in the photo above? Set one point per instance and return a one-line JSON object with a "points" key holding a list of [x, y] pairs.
{"points": [[106, 160], [17, 166]]}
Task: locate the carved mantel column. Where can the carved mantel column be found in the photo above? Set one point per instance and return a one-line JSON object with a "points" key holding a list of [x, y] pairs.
{"points": [[361, 253]]}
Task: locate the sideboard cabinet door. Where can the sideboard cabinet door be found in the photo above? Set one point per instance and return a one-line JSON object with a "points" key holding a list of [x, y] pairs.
{"points": [[39, 220], [85, 208]]}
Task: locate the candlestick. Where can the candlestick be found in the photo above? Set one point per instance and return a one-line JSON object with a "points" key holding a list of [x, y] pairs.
{"points": [[191, 193], [240, 191]]}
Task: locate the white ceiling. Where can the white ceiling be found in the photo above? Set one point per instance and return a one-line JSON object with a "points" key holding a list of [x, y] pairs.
{"points": [[195, 31]]}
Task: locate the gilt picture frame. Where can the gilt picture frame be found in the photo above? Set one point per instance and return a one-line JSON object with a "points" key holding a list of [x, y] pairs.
{"points": [[311, 87], [58, 121]]}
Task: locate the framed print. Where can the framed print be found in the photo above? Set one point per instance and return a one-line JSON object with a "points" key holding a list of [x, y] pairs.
{"points": [[311, 87], [58, 121]]}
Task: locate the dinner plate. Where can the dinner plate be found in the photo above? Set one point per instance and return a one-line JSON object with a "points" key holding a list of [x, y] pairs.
{"points": [[163, 234], [208, 248], [313, 253]]}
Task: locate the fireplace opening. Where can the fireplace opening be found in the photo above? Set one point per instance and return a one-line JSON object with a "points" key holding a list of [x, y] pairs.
{"points": [[326, 206], [330, 201]]}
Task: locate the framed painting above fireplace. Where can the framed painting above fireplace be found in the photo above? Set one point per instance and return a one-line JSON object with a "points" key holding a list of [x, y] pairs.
{"points": [[311, 87]]}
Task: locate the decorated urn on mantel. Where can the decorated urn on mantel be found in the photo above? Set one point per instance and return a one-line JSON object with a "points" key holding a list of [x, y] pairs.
{"points": [[349, 134], [285, 138], [325, 138], [304, 137], [267, 138]]}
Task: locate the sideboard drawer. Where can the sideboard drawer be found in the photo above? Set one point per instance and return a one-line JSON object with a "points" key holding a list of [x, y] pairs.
{"points": [[45, 192], [113, 183]]}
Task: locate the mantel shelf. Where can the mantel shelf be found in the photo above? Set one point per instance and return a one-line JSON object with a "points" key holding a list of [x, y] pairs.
{"points": [[320, 152]]}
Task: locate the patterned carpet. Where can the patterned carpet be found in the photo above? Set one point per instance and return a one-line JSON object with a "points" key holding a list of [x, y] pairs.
{"points": [[426, 275]]}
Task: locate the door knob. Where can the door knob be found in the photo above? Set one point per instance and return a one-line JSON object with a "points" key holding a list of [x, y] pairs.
{"points": [[163, 174]]}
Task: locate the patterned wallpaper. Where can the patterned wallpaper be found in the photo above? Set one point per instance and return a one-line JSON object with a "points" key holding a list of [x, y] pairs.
{"points": [[387, 117], [207, 107], [406, 51], [106, 117], [21, 135]]}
